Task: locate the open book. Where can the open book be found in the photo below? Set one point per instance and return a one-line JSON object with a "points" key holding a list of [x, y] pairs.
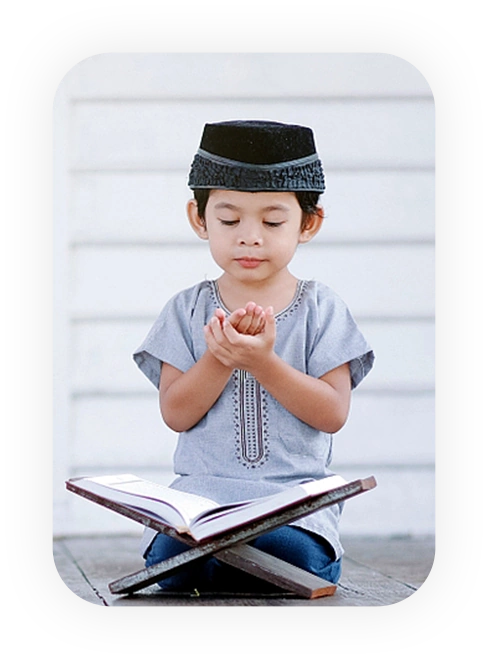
{"points": [[197, 516]]}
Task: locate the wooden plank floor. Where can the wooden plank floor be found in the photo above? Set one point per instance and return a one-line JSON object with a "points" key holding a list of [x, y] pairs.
{"points": [[377, 571]]}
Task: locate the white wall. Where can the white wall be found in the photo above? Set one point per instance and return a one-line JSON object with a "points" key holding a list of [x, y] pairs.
{"points": [[126, 128]]}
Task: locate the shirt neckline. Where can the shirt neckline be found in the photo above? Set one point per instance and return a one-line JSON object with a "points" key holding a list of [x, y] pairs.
{"points": [[299, 289]]}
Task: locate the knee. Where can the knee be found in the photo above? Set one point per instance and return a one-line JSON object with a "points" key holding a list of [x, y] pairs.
{"points": [[163, 547], [289, 543], [302, 549]]}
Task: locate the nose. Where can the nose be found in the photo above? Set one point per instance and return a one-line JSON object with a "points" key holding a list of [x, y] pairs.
{"points": [[250, 235]]}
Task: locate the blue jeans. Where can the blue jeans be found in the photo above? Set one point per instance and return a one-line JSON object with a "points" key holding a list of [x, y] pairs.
{"points": [[294, 545]]}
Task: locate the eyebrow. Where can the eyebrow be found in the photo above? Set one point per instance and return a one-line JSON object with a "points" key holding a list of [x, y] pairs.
{"points": [[224, 204], [277, 207], [266, 209]]}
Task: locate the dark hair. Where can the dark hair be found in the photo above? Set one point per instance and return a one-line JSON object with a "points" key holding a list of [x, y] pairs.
{"points": [[308, 203]]}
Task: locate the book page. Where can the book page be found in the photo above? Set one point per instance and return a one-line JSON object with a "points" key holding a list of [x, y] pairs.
{"points": [[188, 505], [231, 516], [323, 485]]}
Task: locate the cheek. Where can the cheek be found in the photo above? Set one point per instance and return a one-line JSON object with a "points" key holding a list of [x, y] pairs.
{"points": [[288, 244], [218, 250]]}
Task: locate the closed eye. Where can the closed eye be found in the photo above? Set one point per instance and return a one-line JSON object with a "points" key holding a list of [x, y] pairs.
{"points": [[273, 224], [229, 223]]}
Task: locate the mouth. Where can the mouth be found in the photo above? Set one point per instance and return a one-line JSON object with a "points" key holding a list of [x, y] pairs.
{"points": [[249, 262]]}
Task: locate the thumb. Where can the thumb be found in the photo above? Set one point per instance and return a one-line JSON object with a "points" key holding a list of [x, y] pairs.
{"points": [[229, 330], [269, 320]]}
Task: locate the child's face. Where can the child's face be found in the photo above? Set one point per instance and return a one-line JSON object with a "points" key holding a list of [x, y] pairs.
{"points": [[252, 235]]}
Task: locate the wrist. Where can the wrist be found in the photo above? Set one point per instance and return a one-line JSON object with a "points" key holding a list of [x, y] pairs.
{"points": [[216, 365], [266, 367]]}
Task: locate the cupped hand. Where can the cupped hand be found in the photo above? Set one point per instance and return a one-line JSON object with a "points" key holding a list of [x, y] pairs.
{"points": [[248, 320], [242, 350]]}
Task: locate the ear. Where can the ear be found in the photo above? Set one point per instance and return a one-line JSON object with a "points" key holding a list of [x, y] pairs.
{"points": [[197, 223], [313, 225]]}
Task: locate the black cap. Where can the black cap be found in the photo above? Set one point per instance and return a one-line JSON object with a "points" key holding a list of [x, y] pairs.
{"points": [[257, 156]]}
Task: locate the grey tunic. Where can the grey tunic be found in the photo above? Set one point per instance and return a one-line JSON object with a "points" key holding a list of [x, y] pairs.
{"points": [[248, 445]]}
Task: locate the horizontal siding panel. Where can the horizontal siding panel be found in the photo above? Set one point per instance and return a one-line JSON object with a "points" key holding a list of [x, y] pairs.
{"points": [[125, 207], [129, 433], [403, 503], [102, 358], [379, 206], [133, 281], [348, 133], [160, 75], [387, 430], [374, 280], [102, 362], [405, 355], [116, 207]]}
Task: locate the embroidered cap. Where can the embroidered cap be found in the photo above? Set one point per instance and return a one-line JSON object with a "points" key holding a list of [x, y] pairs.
{"points": [[257, 156]]}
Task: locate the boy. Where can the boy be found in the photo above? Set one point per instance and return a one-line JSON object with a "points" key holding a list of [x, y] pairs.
{"points": [[255, 369]]}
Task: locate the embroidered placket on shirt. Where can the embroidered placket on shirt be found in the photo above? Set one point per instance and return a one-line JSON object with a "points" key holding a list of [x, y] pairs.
{"points": [[250, 420]]}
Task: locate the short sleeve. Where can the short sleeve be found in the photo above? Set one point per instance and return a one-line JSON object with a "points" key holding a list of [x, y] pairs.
{"points": [[169, 340], [337, 340]]}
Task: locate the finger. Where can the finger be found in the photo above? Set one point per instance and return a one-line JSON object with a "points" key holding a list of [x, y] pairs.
{"points": [[246, 319], [236, 316], [260, 327], [216, 328], [231, 334], [211, 330], [215, 336], [257, 325], [209, 338], [217, 350], [250, 306], [269, 320], [243, 326], [220, 314], [251, 323]]}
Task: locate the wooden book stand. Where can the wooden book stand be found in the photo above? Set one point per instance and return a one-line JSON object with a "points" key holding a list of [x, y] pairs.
{"points": [[231, 548]]}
